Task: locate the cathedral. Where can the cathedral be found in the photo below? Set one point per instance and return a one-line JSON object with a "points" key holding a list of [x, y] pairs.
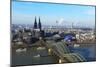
{"points": [[37, 25], [38, 32]]}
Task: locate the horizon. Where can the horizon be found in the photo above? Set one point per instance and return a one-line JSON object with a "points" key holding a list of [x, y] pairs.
{"points": [[61, 14]]}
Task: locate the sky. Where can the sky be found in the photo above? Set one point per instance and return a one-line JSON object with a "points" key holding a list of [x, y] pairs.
{"points": [[53, 14]]}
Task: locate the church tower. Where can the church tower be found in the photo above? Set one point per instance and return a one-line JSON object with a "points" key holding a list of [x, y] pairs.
{"points": [[39, 24], [35, 24]]}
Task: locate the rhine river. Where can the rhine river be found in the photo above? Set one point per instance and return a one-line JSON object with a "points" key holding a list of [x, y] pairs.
{"points": [[32, 57]]}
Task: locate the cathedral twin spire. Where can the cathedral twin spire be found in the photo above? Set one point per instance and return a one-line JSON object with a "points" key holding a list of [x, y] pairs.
{"points": [[37, 26]]}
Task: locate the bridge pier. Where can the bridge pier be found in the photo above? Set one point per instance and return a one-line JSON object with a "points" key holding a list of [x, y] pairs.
{"points": [[60, 61], [49, 51]]}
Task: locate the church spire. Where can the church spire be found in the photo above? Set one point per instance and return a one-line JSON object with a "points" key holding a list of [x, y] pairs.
{"points": [[39, 24], [35, 24]]}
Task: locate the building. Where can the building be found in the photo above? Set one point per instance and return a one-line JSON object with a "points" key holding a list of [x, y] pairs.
{"points": [[38, 32], [37, 26]]}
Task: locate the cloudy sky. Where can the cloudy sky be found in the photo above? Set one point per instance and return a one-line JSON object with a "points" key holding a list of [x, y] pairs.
{"points": [[53, 14]]}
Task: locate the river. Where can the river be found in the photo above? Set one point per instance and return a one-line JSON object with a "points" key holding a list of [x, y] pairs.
{"points": [[26, 58]]}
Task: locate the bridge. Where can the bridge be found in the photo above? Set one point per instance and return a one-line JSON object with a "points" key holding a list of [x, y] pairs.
{"points": [[62, 51]]}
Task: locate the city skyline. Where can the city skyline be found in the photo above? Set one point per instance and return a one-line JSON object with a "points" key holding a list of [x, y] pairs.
{"points": [[53, 14]]}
